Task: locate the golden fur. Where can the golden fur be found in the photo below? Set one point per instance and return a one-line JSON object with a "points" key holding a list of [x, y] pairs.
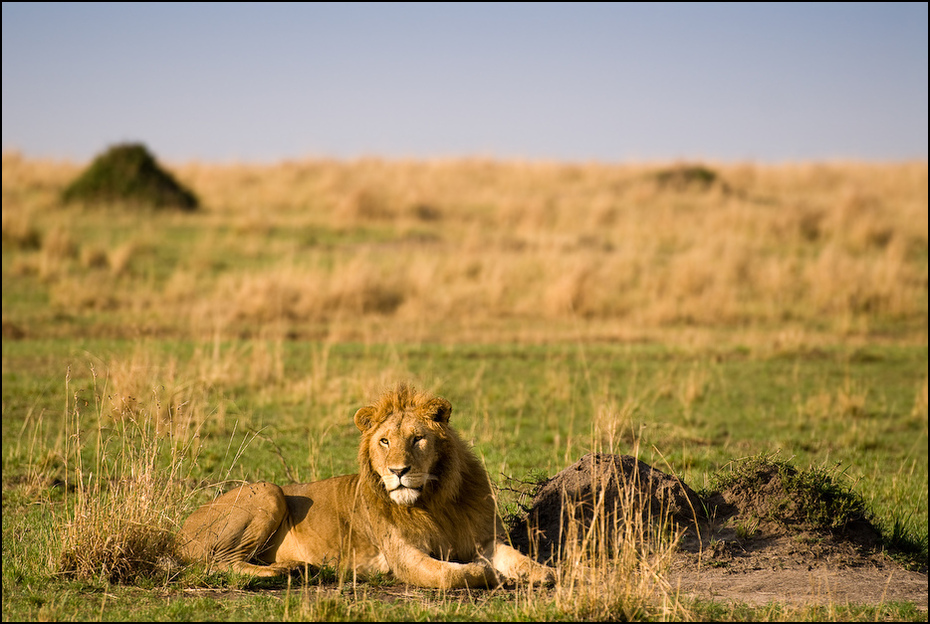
{"points": [[420, 508]]}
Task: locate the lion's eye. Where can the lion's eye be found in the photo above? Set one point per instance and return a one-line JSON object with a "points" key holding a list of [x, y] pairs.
{"points": [[384, 442]]}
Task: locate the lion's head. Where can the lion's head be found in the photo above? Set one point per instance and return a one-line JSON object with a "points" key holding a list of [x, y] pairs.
{"points": [[408, 452]]}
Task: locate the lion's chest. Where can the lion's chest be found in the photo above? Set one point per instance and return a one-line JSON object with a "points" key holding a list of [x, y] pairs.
{"points": [[441, 535]]}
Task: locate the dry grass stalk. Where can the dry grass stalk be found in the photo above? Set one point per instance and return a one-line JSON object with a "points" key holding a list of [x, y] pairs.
{"points": [[614, 564], [126, 492]]}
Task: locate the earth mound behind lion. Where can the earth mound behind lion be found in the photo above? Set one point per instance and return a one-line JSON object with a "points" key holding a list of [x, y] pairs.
{"points": [[764, 531]]}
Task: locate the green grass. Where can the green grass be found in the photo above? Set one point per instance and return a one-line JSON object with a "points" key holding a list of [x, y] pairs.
{"points": [[528, 411], [720, 612]]}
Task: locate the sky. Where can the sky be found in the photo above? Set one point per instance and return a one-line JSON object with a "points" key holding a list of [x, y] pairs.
{"points": [[264, 82]]}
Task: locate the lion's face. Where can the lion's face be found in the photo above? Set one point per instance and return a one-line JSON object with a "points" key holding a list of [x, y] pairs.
{"points": [[401, 442], [403, 452]]}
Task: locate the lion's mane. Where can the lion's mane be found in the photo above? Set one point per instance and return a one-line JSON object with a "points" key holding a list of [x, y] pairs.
{"points": [[456, 510]]}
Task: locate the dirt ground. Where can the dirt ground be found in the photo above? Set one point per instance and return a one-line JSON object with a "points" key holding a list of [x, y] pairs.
{"points": [[778, 572], [736, 546]]}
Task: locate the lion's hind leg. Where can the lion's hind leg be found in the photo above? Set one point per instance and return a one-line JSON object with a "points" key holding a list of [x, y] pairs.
{"points": [[233, 529]]}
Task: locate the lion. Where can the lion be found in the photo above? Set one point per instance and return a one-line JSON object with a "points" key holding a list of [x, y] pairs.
{"points": [[421, 509]]}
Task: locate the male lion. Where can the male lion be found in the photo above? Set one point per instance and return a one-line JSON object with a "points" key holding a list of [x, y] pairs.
{"points": [[421, 508]]}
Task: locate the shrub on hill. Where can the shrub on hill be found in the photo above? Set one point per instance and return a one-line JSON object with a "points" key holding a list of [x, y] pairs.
{"points": [[129, 174], [686, 177]]}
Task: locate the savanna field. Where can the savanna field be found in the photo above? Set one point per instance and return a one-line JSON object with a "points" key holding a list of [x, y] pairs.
{"points": [[691, 315]]}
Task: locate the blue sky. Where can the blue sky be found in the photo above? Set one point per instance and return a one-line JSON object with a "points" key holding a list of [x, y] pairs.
{"points": [[570, 82]]}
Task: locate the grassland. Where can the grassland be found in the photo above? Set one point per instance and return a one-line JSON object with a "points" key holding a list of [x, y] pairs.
{"points": [[157, 355]]}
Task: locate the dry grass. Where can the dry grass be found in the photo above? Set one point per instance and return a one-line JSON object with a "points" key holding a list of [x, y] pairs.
{"points": [[125, 482], [131, 452], [444, 248], [615, 567]]}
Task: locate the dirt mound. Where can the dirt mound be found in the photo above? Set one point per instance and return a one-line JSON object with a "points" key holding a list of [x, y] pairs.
{"points": [[765, 532], [601, 488], [129, 174], [760, 497]]}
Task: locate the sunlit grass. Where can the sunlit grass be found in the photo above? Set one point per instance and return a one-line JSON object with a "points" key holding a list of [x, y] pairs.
{"points": [[457, 250], [561, 308]]}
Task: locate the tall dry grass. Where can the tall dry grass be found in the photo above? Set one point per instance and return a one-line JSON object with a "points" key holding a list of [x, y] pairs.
{"points": [[131, 453], [125, 482], [439, 249], [615, 566]]}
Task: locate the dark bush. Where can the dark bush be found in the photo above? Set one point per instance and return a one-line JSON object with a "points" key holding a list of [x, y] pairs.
{"points": [[129, 174], [683, 177]]}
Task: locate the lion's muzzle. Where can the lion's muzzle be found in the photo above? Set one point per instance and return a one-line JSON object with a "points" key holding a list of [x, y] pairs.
{"points": [[403, 486]]}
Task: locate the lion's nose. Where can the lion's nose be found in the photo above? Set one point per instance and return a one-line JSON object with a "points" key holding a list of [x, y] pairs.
{"points": [[400, 471]]}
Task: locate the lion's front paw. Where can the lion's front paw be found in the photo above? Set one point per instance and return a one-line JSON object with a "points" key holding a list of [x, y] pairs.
{"points": [[541, 575], [518, 568], [533, 575], [479, 574]]}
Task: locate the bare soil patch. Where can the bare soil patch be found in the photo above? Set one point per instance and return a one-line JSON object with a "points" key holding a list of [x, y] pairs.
{"points": [[756, 540]]}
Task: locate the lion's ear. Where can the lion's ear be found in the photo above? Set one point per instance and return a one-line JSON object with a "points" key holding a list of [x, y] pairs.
{"points": [[439, 409], [364, 418]]}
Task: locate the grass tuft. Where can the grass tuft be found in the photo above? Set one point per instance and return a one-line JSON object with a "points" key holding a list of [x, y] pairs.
{"points": [[127, 495]]}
